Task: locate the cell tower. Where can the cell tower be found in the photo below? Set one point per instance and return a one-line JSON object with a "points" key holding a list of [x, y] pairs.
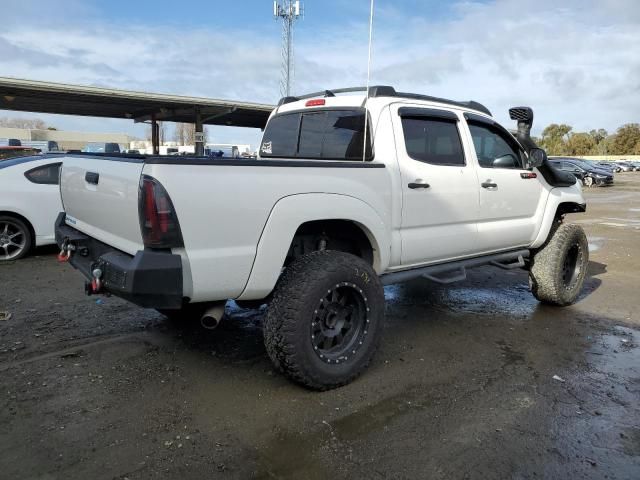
{"points": [[289, 11]]}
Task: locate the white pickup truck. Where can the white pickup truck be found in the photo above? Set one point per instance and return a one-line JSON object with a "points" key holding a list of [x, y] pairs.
{"points": [[315, 226]]}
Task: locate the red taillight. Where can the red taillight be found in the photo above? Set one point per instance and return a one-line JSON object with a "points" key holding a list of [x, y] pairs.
{"points": [[315, 103], [158, 221]]}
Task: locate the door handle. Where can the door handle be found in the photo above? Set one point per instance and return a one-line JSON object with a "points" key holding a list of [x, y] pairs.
{"points": [[489, 185], [92, 177], [418, 183]]}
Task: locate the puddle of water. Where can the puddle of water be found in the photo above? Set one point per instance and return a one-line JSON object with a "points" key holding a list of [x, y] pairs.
{"points": [[596, 243], [612, 224], [277, 461], [615, 383], [511, 356], [512, 300]]}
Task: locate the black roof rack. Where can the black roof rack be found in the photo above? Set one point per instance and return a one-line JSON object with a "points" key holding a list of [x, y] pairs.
{"points": [[387, 91]]}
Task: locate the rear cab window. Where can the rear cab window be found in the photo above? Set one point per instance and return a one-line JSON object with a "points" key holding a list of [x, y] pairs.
{"points": [[322, 134]]}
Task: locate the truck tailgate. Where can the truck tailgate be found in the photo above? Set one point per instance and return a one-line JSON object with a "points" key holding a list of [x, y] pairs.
{"points": [[100, 197]]}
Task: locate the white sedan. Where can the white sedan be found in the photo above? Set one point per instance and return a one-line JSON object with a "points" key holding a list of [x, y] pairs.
{"points": [[29, 204]]}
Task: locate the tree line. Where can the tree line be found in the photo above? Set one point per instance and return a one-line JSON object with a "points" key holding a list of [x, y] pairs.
{"points": [[560, 139], [25, 123]]}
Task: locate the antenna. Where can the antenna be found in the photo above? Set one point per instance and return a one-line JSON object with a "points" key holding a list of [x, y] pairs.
{"points": [[289, 11], [366, 100]]}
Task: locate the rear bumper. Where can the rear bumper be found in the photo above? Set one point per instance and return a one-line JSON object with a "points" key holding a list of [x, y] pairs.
{"points": [[150, 279]]}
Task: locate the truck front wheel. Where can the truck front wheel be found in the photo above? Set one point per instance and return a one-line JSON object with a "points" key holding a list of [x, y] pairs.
{"points": [[325, 321], [558, 269]]}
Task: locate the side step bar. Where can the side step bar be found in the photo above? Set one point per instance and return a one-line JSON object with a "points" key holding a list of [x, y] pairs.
{"points": [[456, 271]]}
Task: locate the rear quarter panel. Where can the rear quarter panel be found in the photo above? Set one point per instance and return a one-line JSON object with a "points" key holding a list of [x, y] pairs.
{"points": [[38, 203]]}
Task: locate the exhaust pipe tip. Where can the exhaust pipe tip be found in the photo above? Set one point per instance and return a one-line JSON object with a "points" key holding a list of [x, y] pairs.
{"points": [[209, 322], [212, 317]]}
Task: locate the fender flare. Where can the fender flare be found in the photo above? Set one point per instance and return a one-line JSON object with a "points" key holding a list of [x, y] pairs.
{"points": [[292, 211], [560, 201]]}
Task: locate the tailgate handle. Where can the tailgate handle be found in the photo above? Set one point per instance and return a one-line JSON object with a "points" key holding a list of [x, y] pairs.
{"points": [[92, 177]]}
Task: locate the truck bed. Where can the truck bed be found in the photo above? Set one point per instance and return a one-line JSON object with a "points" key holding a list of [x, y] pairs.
{"points": [[222, 205]]}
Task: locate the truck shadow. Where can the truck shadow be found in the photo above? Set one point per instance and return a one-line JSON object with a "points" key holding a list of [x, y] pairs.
{"points": [[239, 337]]}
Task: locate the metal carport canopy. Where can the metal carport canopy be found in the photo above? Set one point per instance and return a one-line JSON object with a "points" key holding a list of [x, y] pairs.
{"points": [[49, 97]]}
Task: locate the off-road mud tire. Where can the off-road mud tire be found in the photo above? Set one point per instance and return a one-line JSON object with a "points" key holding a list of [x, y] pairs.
{"points": [[292, 317], [558, 270]]}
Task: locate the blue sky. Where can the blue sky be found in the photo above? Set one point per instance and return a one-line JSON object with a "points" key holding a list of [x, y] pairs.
{"points": [[573, 61]]}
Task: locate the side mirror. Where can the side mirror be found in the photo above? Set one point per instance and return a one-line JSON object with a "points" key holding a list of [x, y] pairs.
{"points": [[537, 157], [505, 161]]}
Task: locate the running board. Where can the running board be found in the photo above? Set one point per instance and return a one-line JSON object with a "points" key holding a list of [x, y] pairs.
{"points": [[456, 276], [456, 271]]}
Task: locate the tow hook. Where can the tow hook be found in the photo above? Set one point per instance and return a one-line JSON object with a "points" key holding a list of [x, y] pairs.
{"points": [[96, 282], [67, 250]]}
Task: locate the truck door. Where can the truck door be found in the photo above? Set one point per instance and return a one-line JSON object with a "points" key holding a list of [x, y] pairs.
{"points": [[511, 197], [439, 186]]}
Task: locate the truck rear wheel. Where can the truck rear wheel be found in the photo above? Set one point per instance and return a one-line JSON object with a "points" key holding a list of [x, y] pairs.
{"points": [[558, 269], [325, 321]]}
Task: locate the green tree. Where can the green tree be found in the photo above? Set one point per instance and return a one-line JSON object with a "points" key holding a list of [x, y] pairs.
{"points": [[555, 138], [598, 135], [626, 139], [580, 144]]}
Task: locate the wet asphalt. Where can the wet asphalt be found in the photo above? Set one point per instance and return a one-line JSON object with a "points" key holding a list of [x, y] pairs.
{"points": [[474, 380]]}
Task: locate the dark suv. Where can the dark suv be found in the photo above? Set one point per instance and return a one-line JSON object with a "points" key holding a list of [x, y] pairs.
{"points": [[588, 174]]}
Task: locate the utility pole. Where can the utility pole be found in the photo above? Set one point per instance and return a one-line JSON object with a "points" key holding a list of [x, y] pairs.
{"points": [[289, 11]]}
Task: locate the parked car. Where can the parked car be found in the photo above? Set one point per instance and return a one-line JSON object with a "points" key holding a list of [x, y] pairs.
{"points": [[324, 218], [45, 146], [626, 166], [12, 152], [600, 165], [635, 164], [587, 174], [10, 142], [101, 147], [614, 167], [29, 203]]}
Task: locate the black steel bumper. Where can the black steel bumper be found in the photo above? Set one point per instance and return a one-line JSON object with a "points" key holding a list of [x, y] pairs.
{"points": [[150, 279]]}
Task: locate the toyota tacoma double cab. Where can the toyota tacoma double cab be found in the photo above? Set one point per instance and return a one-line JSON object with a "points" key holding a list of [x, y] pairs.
{"points": [[353, 189]]}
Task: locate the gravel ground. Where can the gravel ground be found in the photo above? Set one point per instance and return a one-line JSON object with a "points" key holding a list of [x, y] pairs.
{"points": [[475, 380]]}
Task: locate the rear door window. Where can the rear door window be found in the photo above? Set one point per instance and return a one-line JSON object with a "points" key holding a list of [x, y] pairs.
{"points": [[317, 135], [432, 140]]}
